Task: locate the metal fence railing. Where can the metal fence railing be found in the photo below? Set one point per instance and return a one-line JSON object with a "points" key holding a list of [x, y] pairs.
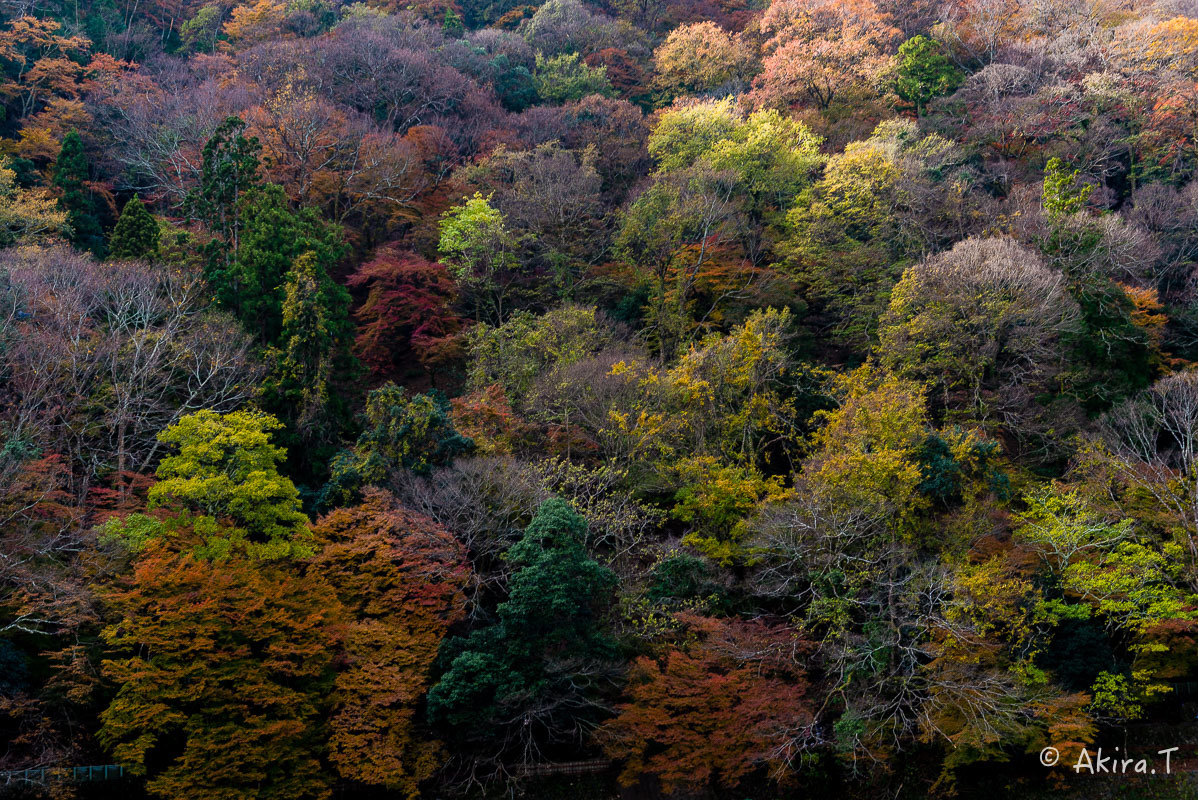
{"points": [[45, 775]]}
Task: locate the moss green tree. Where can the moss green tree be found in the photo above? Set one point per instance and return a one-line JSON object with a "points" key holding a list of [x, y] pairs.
{"points": [[224, 481], [136, 234]]}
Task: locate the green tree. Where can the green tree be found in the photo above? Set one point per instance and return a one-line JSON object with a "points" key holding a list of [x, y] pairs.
{"points": [[924, 72], [272, 238], [136, 233], [844, 238], [70, 177], [534, 675], [229, 170], [401, 432], [311, 357], [479, 250], [224, 482], [1062, 194], [565, 77]]}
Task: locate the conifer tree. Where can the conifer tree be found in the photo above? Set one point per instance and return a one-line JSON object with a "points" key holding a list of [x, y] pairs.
{"points": [[136, 233], [70, 177]]}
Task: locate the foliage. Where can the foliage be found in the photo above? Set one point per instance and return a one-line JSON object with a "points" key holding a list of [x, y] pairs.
{"points": [[136, 234], [399, 577], [924, 72], [71, 178], [729, 700], [532, 676], [224, 479], [561, 78], [477, 247], [222, 669], [27, 215], [401, 432], [407, 314]]}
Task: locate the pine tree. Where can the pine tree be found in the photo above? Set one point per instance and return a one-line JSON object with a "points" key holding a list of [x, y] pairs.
{"points": [[136, 233], [70, 177], [536, 674]]}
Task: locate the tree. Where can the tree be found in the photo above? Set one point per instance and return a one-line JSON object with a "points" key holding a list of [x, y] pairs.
{"points": [[27, 215], [478, 248], [566, 77], [709, 712], [983, 325], [314, 339], [230, 169], [136, 233], [77, 200], [201, 32], [221, 669], [401, 432], [533, 678], [224, 481], [271, 239], [552, 200], [102, 357], [399, 579], [516, 354], [844, 240], [819, 51], [1061, 196], [700, 58], [670, 230], [773, 156], [407, 320], [924, 72]]}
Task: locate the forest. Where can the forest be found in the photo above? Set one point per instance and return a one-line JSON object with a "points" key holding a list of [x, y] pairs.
{"points": [[598, 399]]}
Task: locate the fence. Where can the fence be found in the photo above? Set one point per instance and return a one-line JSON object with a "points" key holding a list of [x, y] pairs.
{"points": [[45, 775]]}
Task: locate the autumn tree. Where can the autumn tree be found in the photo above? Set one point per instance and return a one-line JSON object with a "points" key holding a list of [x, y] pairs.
{"points": [[407, 320], [729, 700], [399, 578], [818, 51], [983, 325], [552, 201], [102, 357], [221, 669], [566, 77], [702, 58], [27, 215], [844, 240]]}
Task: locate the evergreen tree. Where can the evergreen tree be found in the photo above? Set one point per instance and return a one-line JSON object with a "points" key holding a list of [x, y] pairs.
{"points": [[70, 177], [229, 171], [136, 233], [271, 237], [534, 676], [313, 349]]}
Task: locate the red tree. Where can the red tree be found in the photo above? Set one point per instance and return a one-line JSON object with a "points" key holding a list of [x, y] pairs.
{"points": [[714, 710], [407, 319]]}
